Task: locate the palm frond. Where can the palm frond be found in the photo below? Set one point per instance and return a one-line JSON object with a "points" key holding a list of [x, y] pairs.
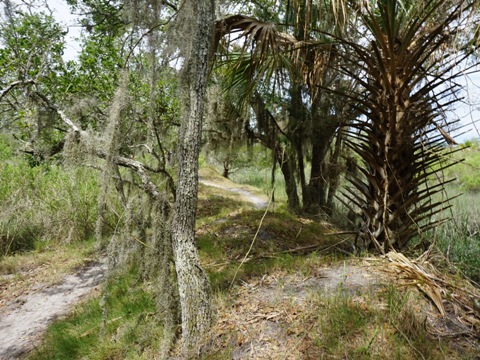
{"points": [[404, 69]]}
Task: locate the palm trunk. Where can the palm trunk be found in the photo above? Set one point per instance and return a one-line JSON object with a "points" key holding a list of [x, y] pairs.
{"points": [[193, 285]]}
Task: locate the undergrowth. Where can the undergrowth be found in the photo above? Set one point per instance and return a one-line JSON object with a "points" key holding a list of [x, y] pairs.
{"points": [[44, 203], [459, 238], [386, 325], [130, 329], [381, 325], [279, 244]]}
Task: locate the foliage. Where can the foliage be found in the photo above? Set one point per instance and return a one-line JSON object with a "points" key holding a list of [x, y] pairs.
{"points": [[45, 203], [273, 86], [405, 69]]}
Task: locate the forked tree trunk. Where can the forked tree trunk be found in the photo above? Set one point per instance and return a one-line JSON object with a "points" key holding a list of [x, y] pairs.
{"points": [[287, 166], [193, 285]]}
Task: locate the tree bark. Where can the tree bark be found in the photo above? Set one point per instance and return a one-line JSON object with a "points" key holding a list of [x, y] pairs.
{"points": [[193, 285], [288, 170], [322, 135]]}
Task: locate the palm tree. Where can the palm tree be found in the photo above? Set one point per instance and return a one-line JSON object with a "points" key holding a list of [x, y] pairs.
{"points": [[276, 73], [407, 59]]}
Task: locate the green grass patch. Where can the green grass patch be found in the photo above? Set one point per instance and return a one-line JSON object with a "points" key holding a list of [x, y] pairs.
{"points": [[467, 172], [384, 325], [280, 231], [45, 203], [281, 244], [459, 238], [345, 323]]}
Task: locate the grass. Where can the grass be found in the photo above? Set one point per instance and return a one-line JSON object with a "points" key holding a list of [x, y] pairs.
{"points": [[129, 329], [281, 243], [383, 325], [45, 203], [467, 171], [378, 326], [459, 239]]}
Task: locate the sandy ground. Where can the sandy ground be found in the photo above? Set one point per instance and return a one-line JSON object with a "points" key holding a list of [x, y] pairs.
{"points": [[27, 318], [256, 201]]}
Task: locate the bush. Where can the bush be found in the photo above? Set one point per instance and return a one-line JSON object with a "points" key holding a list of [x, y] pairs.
{"points": [[44, 203]]}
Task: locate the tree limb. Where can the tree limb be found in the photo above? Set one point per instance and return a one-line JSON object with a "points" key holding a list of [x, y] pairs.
{"points": [[141, 169], [13, 84]]}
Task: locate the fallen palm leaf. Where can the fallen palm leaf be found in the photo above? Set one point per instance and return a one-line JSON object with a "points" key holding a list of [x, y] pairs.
{"points": [[425, 281], [433, 284]]}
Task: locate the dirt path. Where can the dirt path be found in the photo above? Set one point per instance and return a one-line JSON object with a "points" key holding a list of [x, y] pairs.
{"points": [[256, 201], [26, 319]]}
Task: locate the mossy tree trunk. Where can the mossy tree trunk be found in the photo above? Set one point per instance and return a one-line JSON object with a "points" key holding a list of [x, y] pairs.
{"points": [[193, 285]]}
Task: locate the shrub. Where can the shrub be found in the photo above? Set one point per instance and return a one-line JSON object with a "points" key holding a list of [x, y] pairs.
{"points": [[45, 202]]}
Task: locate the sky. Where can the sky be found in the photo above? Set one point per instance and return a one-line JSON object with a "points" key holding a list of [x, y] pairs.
{"points": [[468, 111], [61, 11]]}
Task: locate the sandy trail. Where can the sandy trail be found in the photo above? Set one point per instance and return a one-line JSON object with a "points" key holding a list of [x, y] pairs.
{"points": [[25, 320], [256, 201]]}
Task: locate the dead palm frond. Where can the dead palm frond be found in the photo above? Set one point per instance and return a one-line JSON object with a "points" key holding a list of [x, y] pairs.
{"points": [[443, 292]]}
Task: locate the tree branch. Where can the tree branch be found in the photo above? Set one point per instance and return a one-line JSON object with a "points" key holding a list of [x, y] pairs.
{"points": [[14, 84], [141, 169]]}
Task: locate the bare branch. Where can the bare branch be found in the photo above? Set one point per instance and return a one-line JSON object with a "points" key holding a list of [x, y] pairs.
{"points": [[14, 84]]}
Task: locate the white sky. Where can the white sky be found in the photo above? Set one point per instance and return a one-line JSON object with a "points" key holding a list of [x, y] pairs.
{"points": [[468, 112], [62, 13]]}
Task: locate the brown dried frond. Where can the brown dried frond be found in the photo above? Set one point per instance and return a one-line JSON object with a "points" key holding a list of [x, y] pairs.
{"points": [[455, 303]]}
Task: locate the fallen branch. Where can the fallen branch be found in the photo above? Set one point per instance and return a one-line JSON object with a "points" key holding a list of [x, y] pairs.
{"points": [[301, 249]]}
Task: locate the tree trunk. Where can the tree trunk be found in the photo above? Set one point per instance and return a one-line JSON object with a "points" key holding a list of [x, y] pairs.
{"points": [[336, 171], [287, 167], [193, 285], [326, 126]]}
